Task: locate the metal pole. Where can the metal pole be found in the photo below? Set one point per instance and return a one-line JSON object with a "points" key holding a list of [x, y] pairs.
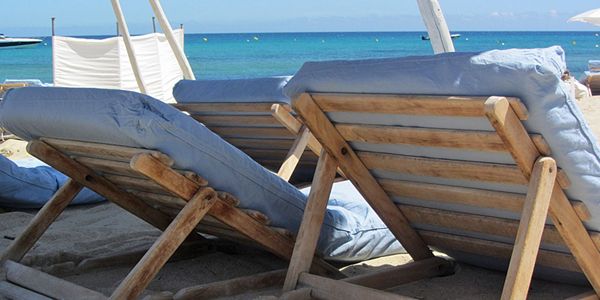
{"points": [[53, 19], [184, 64], [439, 35], [122, 25], [154, 24], [117, 26]]}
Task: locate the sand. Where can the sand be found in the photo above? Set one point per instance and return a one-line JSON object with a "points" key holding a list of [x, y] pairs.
{"points": [[96, 246]]}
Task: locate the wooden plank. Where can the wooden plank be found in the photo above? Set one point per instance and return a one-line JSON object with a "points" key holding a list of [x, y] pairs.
{"points": [[425, 137], [529, 236], [403, 104], [255, 132], [249, 143], [42, 220], [232, 120], [45, 284], [100, 185], [360, 176], [449, 242], [12, 291], [133, 183], [563, 215], [444, 168], [293, 157], [231, 287], [386, 278], [258, 216], [278, 154], [164, 247], [102, 150], [195, 108], [164, 176], [487, 225], [166, 200], [312, 220], [325, 288], [468, 196], [107, 166]]}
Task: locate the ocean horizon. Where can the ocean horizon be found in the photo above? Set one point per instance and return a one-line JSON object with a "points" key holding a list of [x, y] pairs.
{"points": [[247, 55]]}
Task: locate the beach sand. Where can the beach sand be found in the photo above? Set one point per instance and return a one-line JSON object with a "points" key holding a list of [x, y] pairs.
{"points": [[96, 246]]}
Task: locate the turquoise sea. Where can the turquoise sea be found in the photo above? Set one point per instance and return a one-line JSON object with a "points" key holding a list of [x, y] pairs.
{"points": [[244, 55]]}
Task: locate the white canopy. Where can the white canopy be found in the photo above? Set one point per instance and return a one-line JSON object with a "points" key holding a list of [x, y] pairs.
{"points": [[104, 63], [591, 16]]}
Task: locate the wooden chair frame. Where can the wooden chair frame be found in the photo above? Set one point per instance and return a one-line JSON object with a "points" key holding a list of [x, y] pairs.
{"points": [[144, 183], [545, 194]]}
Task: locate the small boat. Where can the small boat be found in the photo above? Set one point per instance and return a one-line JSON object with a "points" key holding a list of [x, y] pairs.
{"points": [[16, 42], [453, 36]]}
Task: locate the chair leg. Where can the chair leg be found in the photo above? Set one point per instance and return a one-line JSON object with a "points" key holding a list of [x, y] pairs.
{"points": [[42, 220], [160, 252], [293, 157], [531, 227], [306, 241]]}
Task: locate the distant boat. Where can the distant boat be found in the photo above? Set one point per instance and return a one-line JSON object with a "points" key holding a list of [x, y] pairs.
{"points": [[17, 42], [453, 36]]}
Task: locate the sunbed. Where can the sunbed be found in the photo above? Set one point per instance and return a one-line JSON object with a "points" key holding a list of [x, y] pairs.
{"points": [[466, 153], [253, 115], [171, 171]]}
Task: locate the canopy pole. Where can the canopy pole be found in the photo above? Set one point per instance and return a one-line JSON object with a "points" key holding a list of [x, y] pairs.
{"points": [[53, 19], [183, 62], [439, 35], [122, 25]]}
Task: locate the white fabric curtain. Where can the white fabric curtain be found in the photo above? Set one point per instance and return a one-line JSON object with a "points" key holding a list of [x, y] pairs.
{"points": [[104, 63]]}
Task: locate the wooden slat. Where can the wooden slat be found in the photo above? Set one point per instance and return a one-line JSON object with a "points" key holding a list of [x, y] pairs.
{"points": [[138, 184], [445, 168], [229, 120], [468, 196], [277, 154], [107, 166], [407, 104], [531, 227], [503, 251], [45, 284], [42, 220], [102, 150], [99, 184], [256, 132], [312, 221], [165, 200], [257, 144], [164, 247], [564, 217], [385, 278], [194, 108], [492, 226], [325, 288], [444, 138], [360, 176]]}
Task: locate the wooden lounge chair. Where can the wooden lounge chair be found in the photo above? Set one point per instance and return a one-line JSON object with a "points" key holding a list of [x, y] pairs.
{"points": [[144, 183], [426, 222], [267, 132]]}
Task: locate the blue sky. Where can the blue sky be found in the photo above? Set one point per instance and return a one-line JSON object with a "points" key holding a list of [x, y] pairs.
{"points": [[87, 17]]}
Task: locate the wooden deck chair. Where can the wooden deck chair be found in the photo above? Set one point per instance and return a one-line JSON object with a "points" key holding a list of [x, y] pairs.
{"points": [[426, 222], [267, 132], [593, 82], [144, 183]]}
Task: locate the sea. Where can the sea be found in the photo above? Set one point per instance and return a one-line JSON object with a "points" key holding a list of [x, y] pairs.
{"points": [[247, 55]]}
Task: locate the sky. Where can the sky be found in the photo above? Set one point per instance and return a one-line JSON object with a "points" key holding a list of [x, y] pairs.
{"points": [[95, 17]]}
